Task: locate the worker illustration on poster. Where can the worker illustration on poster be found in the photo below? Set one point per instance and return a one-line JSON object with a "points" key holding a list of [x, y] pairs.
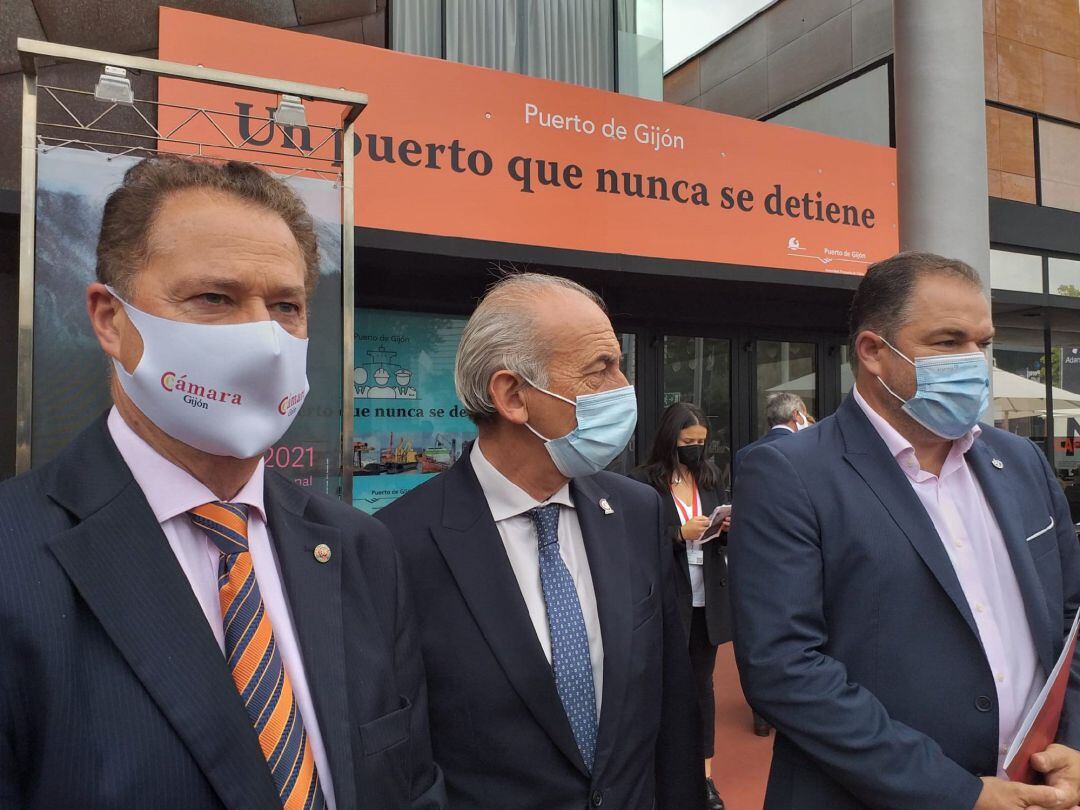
{"points": [[379, 368], [408, 423]]}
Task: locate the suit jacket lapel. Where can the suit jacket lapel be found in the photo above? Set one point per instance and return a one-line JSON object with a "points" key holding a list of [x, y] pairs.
{"points": [[1000, 486], [313, 590], [470, 543], [605, 546], [867, 453], [120, 562]]}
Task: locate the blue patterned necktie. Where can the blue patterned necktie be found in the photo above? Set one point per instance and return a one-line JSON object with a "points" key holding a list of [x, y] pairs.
{"points": [[569, 641]]}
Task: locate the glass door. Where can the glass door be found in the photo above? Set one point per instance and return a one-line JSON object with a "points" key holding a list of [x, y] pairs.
{"points": [[783, 366], [698, 370]]}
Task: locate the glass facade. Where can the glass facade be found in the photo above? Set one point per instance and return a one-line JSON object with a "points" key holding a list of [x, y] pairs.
{"points": [[641, 48], [1019, 272], [573, 41], [1065, 277], [857, 109]]}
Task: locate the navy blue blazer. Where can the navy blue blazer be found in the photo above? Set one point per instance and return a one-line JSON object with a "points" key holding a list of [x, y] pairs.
{"points": [[113, 690], [852, 634], [498, 728], [773, 434]]}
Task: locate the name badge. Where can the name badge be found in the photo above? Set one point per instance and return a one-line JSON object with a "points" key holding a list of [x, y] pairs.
{"points": [[695, 554]]}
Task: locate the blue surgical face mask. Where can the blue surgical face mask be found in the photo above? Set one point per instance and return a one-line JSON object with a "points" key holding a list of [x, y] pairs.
{"points": [[951, 390], [605, 423]]}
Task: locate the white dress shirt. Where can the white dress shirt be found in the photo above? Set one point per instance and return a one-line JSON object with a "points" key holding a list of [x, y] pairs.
{"points": [[970, 533], [171, 492], [509, 504], [687, 511]]}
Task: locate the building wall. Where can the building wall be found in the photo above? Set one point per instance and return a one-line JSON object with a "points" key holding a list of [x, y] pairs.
{"points": [[784, 53], [1032, 61]]}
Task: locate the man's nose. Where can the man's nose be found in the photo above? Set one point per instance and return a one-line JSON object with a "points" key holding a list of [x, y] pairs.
{"points": [[254, 309]]}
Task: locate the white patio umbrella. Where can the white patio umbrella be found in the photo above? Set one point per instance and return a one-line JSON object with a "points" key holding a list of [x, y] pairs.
{"points": [[1016, 397]]}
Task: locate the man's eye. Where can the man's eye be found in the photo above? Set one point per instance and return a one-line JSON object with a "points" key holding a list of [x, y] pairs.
{"points": [[213, 298], [288, 308]]}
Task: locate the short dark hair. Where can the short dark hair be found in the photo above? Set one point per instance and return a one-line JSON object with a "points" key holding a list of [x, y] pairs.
{"points": [[664, 454], [130, 211], [883, 300]]}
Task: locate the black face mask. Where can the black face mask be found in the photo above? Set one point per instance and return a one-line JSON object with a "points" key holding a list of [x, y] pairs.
{"points": [[691, 454]]}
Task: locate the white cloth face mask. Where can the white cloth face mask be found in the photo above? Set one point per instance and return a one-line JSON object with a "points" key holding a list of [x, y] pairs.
{"points": [[225, 389]]}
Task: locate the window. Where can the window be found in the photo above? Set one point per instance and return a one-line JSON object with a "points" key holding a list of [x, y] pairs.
{"points": [[1020, 272], [857, 109], [567, 40], [1065, 277]]}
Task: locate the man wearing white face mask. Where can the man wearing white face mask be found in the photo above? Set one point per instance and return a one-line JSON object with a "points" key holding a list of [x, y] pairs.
{"points": [[556, 661], [182, 628], [904, 577]]}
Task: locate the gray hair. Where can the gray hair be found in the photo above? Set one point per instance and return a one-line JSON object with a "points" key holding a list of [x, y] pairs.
{"points": [[502, 334], [781, 407]]}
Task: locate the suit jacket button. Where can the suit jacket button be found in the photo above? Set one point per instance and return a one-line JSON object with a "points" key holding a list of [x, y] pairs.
{"points": [[723, 583], [983, 703], [597, 798]]}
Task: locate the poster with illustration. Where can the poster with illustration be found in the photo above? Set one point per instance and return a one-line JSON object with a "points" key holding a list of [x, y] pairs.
{"points": [[71, 375], [408, 422]]}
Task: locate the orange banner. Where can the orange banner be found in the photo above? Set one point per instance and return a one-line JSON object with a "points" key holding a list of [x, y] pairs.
{"points": [[454, 150]]}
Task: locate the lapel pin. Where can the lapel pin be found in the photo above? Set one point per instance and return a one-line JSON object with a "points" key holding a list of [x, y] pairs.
{"points": [[606, 507], [322, 553], [997, 462]]}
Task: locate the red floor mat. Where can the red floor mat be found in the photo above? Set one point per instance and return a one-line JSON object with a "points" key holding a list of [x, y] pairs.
{"points": [[741, 764]]}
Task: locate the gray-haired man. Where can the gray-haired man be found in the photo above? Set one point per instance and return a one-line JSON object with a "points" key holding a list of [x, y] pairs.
{"points": [[556, 662], [786, 414]]}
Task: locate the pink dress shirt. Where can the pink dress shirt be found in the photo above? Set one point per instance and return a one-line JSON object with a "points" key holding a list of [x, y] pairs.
{"points": [[970, 533], [171, 492]]}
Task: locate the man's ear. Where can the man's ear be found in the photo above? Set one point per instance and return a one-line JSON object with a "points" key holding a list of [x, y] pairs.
{"points": [[115, 333], [869, 348], [506, 391], [105, 311]]}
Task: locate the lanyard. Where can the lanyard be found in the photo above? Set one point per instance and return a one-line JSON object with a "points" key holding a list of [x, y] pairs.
{"points": [[694, 506]]}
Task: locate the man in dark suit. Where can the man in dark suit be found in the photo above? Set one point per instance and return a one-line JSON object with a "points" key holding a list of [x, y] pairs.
{"points": [[904, 577], [556, 663], [786, 414], [182, 628]]}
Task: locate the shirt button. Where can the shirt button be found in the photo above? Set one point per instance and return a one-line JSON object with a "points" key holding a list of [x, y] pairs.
{"points": [[978, 607], [958, 543], [1000, 677]]}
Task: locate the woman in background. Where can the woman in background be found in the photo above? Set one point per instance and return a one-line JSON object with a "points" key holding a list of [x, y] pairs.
{"points": [[691, 489]]}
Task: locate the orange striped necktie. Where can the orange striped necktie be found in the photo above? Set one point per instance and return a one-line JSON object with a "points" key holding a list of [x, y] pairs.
{"points": [[255, 661]]}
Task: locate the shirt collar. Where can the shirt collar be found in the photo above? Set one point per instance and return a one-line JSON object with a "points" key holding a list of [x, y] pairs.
{"points": [[171, 490], [782, 427], [505, 498], [899, 447]]}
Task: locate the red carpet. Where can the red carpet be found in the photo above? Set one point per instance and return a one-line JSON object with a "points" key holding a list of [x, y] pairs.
{"points": [[741, 764]]}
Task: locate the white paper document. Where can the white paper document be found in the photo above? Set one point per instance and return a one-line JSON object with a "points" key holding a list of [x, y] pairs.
{"points": [[712, 531]]}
